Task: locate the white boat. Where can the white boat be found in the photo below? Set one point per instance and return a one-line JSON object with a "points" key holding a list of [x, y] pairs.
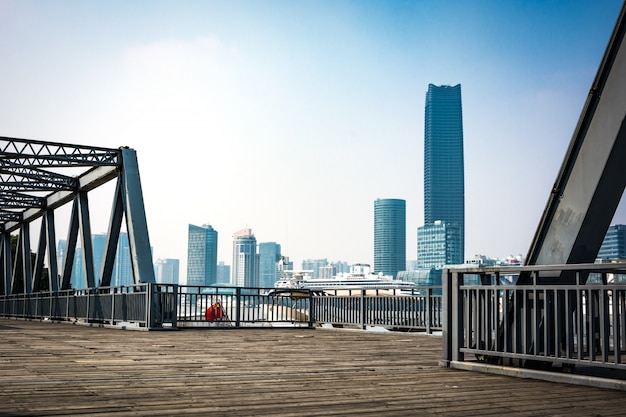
{"points": [[359, 277]]}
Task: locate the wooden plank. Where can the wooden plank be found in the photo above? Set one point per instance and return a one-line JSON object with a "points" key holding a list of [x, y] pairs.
{"points": [[60, 369]]}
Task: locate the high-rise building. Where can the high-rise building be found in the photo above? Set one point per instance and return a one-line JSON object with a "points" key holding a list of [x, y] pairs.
{"points": [[389, 236], [122, 268], [314, 266], [614, 244], [167, 271], [438, 244], [223, 273], [98, 243], [245, 259], [269, 256], [202, 255], [444, 183]]}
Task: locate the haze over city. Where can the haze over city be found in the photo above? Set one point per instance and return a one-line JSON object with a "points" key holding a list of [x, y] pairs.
{"points": [[292, 117]]}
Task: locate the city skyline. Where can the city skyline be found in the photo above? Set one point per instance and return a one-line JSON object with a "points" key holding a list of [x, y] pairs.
{"points": [[292, 117]]}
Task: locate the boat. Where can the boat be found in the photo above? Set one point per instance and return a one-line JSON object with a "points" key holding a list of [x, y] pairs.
{"points": [[359, 277]]}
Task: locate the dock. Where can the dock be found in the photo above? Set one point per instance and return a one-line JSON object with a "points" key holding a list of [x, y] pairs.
{"points": [[61, 369]]}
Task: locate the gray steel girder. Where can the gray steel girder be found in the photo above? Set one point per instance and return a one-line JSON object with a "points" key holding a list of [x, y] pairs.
{"points": [[591, 180]]}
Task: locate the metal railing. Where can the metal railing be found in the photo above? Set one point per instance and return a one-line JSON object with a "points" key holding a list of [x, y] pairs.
{"points": [[582, 322], [419, 309], [140, 306], [149, 306]]}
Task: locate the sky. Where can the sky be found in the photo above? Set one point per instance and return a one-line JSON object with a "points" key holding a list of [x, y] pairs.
{"points": [[292, 117]]}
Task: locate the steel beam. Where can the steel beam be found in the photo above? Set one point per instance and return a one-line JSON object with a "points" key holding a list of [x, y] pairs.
{"points": [[590, 182]]}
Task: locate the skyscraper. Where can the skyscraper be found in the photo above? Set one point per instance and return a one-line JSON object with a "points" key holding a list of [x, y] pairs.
{"points": [[202, 255], [269, 256], [245, 263], [614, 244], [444, 182], [167, 271], [389, 236]]}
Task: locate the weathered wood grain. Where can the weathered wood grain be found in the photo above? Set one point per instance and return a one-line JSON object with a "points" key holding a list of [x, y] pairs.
{"points": [[61, 369]]}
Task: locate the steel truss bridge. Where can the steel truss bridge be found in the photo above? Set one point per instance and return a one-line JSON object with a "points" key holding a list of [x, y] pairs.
{"points": [[36, 178], [561, 308]]}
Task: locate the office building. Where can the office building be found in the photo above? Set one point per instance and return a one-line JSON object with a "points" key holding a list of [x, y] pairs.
{"points": [[167, 271], [614, 244], [389, 236], [269, 256], [245, 259], [202, 255], [314, 266], [223, 273], [122, 269], [444, 183], [438, 244]]}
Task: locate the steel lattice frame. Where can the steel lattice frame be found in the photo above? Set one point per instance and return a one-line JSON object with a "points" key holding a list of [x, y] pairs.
{"points": [[37, 177]]}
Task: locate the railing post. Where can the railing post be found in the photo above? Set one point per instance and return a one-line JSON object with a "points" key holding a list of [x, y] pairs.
{"points": [[429, 313], [175, 298], [362, 311], [311, 309], [452, 333], [447, 331], [238, 304], [88, 293]]}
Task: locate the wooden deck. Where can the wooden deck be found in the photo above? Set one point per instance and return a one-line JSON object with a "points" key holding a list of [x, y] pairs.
{"points": [[62, 369]]}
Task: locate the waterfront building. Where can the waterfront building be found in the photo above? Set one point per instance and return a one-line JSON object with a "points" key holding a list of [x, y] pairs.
{"points": [[167, 271], [341, 267], [223, 273], [389, 236], [438, 245], [314, 266], [327, 272], [122, 268], [202, 255], [444, 183], [269, 256], [614, 244], [245, 259]]}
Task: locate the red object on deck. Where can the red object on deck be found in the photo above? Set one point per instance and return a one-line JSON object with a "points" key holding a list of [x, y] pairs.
{"points": [[214, 312]]}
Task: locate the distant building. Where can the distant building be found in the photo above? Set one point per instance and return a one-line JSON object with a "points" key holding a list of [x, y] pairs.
{"points": [[425, 277], [122, 271], [314, 265], [245, 259], [98, 244], [326, 272], [389, 236], [341, 267], [444, 183], [202, 255], [438, 245], [269, 256], [614, 244], [167, 271], [223, 273]]}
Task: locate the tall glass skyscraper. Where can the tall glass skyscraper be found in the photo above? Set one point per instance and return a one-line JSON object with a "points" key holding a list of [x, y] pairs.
{"points": [[269, 256], [614, 244], [202, 255], [245, 259], [389, 236], [444, 180]]}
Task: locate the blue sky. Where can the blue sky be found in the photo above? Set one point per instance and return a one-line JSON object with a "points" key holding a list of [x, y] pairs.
{"points": [[292, 117]]}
